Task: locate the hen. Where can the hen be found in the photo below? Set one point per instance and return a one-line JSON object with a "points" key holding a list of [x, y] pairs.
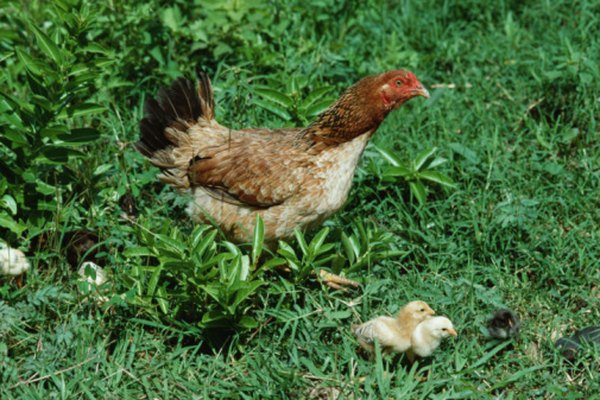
{"points": [[291, 177]]}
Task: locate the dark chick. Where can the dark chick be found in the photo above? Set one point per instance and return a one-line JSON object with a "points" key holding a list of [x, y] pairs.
{"points": [[504, 324], [571, 346]]}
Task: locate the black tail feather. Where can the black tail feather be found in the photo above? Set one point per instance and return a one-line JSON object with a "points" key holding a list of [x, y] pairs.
{"points": [[173, 107], [206, 94]]}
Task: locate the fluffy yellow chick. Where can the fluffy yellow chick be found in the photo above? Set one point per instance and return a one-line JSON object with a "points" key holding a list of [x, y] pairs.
{"points": [[428, 335], [393, 334]]}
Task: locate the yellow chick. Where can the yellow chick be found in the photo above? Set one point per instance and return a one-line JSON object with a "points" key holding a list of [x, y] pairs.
{"points": [[428, 335], [393, 334]]}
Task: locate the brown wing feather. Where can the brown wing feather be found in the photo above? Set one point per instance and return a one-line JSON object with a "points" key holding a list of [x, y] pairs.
{"points": [[259, 169]]}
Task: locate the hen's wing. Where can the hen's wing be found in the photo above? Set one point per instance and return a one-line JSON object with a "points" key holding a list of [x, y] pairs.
{"points": [[258, 168], [252, 167]]}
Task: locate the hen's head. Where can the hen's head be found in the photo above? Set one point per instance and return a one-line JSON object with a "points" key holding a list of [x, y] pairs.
{"points": [[394, 88], [372, 98], [364, 106]]}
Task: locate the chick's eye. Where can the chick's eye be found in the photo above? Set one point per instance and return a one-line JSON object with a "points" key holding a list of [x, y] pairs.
{"points": [[422, 310], [398, 83], [444, 329]]}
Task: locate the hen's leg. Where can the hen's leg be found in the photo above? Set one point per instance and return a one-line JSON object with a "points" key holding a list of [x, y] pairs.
{"points": [[336, 282]]}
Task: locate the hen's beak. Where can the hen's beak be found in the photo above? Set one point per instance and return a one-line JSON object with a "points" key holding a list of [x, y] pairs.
{"points": [[452, 332], [421, 91]]}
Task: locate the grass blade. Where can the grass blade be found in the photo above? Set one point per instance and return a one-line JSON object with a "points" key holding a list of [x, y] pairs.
{"points": [[258, 240]]}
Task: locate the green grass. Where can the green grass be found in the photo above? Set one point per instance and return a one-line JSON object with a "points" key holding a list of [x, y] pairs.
{"points": [[518, 125]]}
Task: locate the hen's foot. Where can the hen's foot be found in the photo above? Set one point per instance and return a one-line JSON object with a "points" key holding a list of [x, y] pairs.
{"points": [[337, 282]]}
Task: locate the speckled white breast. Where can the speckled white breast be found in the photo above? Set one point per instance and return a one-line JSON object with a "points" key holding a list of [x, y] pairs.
{"points": [[336, 171]]}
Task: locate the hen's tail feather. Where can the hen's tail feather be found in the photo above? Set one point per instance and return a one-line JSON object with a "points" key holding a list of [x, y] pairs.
{"points": [[177, 107], [207, 98]]}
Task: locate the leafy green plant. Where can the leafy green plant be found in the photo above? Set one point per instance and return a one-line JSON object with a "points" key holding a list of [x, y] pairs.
{"points": [[291, 106], [196, 277], [46, 122], [214, 282], [417, 173], [361, 248], [515, 211], [311, 256], [367, 245], [8, 210]]}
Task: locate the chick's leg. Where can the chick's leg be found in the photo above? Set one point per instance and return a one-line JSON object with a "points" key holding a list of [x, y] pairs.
{"points": [[411, 356]]}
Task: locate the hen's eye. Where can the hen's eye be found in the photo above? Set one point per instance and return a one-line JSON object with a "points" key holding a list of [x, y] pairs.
{"points": [[398, 83]]}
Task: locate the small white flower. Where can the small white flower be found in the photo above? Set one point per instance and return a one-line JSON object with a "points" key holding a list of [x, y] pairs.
{"points": [[100, 275], [13, 262]]}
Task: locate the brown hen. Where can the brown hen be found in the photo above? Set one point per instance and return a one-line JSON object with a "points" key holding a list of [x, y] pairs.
{"points": [[293, 177]]}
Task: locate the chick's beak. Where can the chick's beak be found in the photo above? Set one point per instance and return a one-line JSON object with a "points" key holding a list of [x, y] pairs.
{"points": [[452, 332], [430, 312]]}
